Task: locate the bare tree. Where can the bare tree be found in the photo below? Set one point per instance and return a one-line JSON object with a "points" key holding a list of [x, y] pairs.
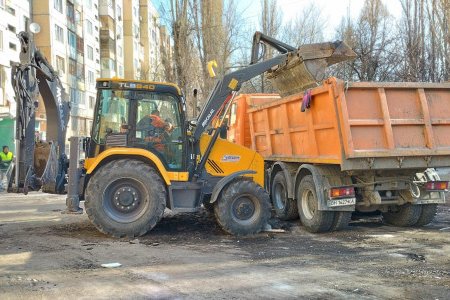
{"points": [[373, 38], [270, 22], [306, 28]]}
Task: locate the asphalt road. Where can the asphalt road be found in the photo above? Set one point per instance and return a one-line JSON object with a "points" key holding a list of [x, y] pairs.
{"points": [[47, 255]]}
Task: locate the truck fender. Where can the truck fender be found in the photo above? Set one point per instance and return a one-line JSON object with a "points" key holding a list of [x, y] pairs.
{"points": [[287, 174], [322, 176], [225, 181]]}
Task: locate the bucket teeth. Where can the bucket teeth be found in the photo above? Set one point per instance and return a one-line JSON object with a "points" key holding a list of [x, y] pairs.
{"points": [[306, 67]]}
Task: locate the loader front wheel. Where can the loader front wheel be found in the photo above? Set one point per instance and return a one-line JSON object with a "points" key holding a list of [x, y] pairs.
{"points": [[285, 208], [243, 208], [311, 217], [125, 198]]}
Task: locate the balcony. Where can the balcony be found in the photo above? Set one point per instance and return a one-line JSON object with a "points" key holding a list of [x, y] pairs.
{"points": [[107, 33]]}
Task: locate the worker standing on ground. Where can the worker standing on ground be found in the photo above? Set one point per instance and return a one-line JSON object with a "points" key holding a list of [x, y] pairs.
{"points": [[6, 157]]}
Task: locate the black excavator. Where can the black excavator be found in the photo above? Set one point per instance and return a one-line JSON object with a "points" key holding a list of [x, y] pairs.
{"points": [[143, 155], [32, 76]]}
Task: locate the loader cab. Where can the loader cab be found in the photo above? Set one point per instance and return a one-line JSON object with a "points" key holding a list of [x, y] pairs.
{"points": [[138, 114]]}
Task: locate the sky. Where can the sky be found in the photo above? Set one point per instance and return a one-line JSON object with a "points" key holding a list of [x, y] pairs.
{"points": [[332, 10]]}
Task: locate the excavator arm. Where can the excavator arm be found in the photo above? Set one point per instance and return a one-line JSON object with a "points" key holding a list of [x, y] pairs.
{"points": [[32, 76], [225, 87]]}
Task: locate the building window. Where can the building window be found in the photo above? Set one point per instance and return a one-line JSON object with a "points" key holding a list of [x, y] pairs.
{"points": [[72, 41], [119, 50], [89, 3], [2, 3], [59, 33], [89, 27], [60, 64], [58, 5], [11, 28], [90, 53], [70, 13], [80, 72], [72, 67], [11, 10], [90, 77], [12, 46], [82, 100], [74, 122], [80, 46], [91, 102], [119, 13]]}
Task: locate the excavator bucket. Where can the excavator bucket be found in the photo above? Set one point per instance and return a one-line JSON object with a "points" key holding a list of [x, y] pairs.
{"points": [[307, 65]]}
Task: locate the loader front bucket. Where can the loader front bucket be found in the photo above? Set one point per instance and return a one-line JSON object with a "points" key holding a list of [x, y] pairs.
{"points": [[306, 67]]}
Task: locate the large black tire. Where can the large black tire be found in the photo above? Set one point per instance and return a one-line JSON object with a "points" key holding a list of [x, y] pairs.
{"points": [[310, 216], [207, 205], [243, 207], [285, 208], [125, 198], [341, 220], [427, 215], [404, 216]]}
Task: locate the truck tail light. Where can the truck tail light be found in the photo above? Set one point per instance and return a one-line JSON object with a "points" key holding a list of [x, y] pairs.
{"points": [[342, 192], [436, 185]]}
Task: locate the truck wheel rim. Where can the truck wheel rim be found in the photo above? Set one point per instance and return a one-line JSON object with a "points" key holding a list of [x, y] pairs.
{"points": [[124, 201], [243, 209], [308, 207], [280, 196]]}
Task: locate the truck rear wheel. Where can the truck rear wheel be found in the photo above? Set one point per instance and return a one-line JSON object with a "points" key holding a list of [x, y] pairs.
{"points": [[341, 220], [403, 216], [285, 208], [310, 216], [125, 198], [427, 215], [243, 208]]}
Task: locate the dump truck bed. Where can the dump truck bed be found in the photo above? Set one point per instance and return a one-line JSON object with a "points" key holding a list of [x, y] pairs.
{"points": [[358, 126]]}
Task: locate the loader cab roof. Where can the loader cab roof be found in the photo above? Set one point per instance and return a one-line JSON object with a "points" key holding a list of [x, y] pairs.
{"points": [[119, 83]]}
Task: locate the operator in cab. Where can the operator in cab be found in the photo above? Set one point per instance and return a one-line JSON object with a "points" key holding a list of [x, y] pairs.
{"points": [[155, 128]]}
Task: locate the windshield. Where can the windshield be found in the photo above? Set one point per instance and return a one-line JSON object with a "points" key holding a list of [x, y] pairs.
{"points": [[112, 114]]}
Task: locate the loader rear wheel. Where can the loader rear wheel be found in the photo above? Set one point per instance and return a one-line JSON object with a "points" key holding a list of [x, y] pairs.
{"points": [[403, 216], [243, 208], [311, 217], [427, 215], [125, 198], [285, 208]]}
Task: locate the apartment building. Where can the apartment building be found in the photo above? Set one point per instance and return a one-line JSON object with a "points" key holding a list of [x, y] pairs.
{"points": [[83, 40], [69, 39], [151, 65], [133, 49], [111, 38], [14, 17]]}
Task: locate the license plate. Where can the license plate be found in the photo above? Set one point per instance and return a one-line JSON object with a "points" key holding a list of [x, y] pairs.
{"points": [[341, 202]]}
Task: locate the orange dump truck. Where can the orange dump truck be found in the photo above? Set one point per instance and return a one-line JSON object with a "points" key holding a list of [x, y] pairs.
{"points": [[352, 146]]}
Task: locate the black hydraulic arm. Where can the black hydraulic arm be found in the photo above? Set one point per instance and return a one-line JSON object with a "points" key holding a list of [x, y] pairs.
{"points": [[32, 76], [260, 38], [230, 83]]}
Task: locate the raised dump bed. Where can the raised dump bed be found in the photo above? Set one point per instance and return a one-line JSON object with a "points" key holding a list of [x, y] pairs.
{"points": [[358, 126]]}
